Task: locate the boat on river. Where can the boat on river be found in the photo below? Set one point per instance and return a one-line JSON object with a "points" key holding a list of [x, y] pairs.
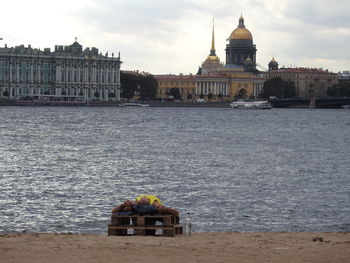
{"points": [[132, 104], [241, 104]]}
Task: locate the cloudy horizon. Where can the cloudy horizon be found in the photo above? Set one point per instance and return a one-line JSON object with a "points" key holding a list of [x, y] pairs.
{"points": [[174, 36]]}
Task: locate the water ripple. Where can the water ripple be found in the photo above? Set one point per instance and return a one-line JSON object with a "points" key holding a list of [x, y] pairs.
{"points": [[63, 169]]}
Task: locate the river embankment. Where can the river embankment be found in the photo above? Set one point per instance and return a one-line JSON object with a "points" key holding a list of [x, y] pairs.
{"points": [[225, 104]]}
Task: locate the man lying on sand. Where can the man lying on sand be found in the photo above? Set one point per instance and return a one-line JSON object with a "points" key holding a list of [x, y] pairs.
{"points": [[145, 204]]}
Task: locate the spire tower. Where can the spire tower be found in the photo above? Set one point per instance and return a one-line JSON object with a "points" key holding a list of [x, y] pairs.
{"points": [[212, 50]]}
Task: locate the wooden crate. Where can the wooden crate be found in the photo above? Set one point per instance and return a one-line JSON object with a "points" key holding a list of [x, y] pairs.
{"points": [[122, 225]]}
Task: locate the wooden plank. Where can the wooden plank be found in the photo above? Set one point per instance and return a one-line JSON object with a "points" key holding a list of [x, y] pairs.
{"points": [[141, 231], [144, 220], [146, 216], [167, 221], [140, 221], [144, 227], [120, 221]]}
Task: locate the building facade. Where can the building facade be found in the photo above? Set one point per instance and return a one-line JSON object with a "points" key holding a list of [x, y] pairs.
{"points": [[213, 87], [184, 83], [69, 73], [308, 82]]}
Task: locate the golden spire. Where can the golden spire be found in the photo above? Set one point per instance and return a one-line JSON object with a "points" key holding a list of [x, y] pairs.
{"points": [[212, 40], [212, 50], [212, 56]]}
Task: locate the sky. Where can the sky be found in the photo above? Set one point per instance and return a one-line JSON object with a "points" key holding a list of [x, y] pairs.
{"points": [[174, 36]]}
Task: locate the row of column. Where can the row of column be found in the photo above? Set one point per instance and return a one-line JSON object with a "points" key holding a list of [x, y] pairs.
{"points": [[213, 87], [257, 89], [97, 76], [31, 73]]}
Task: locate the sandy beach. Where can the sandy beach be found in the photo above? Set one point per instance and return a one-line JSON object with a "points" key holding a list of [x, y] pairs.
{"points": [[198, 247]]}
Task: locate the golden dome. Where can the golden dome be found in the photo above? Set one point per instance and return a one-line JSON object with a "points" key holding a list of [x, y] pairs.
{"points": [[273, 60], [212, 58], [241, 33]]}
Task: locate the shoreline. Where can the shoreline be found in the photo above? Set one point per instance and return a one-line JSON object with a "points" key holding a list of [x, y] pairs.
{"points": [[198, 247], [319, 103]]}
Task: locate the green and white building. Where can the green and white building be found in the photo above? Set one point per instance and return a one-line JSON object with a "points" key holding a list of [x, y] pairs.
{"points": [[69, 73]]}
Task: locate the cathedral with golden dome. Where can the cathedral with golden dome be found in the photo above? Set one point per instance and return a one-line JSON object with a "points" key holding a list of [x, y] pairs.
{"points": [[240, 49], [216, 81]]}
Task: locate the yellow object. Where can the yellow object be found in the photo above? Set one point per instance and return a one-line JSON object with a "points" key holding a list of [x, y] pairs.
{"points": [[212, 58], [241, 33], [151, 198]]}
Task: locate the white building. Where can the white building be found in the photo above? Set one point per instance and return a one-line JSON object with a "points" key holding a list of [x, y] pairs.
{"points": [[67, 74]]}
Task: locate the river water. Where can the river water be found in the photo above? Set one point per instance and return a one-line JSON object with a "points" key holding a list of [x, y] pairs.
{"points": [[64, 169]]}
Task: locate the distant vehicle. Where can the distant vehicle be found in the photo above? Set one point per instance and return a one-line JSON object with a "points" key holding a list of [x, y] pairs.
{"points": [[272, 98], [201, 100]]}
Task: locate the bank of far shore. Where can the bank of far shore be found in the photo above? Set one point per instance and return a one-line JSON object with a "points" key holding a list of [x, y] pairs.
{"points": [[224, 104], [281, 103], [198, 247]]}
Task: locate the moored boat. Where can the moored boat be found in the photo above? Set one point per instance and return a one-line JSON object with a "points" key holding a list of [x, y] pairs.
{"points": [[132, 104], [240, 104]]}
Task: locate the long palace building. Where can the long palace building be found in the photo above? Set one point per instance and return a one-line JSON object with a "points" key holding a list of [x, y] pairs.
{"points": [[69, 73]]}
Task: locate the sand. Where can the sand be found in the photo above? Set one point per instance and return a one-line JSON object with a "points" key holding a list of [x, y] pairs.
{"points": [[198, 247]]}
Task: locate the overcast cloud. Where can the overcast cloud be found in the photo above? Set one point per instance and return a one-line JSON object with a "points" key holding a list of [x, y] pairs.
{"points": [[174, 36]]}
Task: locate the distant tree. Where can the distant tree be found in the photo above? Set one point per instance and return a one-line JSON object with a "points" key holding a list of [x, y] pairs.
{"points": [[333, 91], [289, 89], [189, 96], [148, 87], [343, 90], [145, 85], [210, 96], [129, 84], [175, 92], [279, 88]]}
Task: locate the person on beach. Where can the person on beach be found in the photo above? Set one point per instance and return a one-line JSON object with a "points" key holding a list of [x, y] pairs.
{"points": [[145, 204]]}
